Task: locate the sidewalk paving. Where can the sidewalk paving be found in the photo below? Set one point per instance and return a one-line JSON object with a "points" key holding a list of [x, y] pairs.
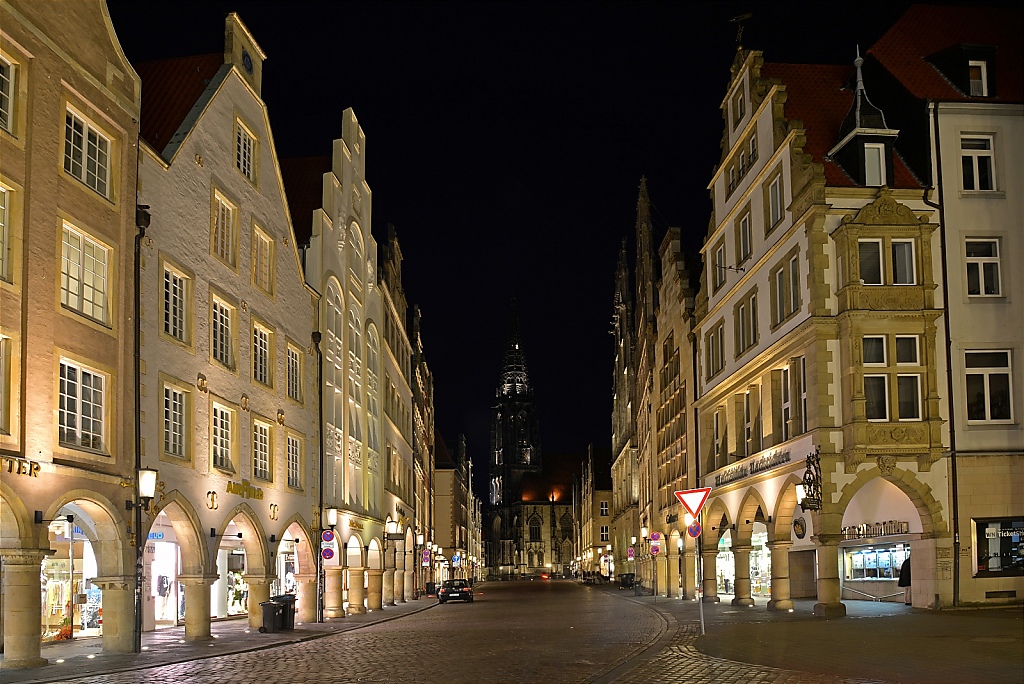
{"points": [[876, 641], [82, 657]]}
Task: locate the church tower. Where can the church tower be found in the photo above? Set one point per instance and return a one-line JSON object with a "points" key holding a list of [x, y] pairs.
{"points": [[515, 448]]}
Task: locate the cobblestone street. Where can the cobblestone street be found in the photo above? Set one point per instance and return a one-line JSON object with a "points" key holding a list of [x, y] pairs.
{"points": [[562, 632]]}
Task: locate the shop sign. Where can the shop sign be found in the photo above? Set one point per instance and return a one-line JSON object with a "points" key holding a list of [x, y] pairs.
{"points": [[245, 490], [21, 466], [991, 533], [759, 464], [156, 535], [877, 529]]}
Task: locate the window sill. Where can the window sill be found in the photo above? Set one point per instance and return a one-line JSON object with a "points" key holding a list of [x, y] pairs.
{"points": [[85, 450], [986, 194]]}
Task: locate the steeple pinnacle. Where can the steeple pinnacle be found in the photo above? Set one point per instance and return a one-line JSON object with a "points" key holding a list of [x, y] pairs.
{"points": [[514, 378], [863, 114], [643, 204]]}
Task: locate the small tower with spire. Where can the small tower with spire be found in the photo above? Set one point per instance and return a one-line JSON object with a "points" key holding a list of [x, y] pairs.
{"points": [[865, 146]]}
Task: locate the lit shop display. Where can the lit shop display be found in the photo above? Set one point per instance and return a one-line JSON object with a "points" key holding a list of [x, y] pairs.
{"points": [[1000, 547], [875, 562], [71, 605], [760, 564], [287, 568], [162, 558]]}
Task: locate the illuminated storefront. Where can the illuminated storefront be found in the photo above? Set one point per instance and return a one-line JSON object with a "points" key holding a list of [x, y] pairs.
{"points": [[72, 606]]}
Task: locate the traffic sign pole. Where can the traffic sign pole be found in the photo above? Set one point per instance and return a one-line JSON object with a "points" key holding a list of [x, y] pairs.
{"points": [[700, 576]]}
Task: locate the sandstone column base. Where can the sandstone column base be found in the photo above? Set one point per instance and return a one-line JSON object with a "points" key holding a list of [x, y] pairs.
{"points": [[22, 608], [118, 601], [374, 593], [305, 592], [259, 591], [197, 606], [356, 591], [334, 606], [830, 610]]}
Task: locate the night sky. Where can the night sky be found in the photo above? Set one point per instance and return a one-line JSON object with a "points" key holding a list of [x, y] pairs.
{"points": [[505, 142]]}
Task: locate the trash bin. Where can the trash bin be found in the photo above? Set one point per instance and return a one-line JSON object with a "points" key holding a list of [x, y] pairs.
{"points": [[626, 580], [431, 588], [272, 615], [287, 602]]}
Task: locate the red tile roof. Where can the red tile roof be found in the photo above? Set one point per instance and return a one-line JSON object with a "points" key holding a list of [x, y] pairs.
{"points": [[170, 88], [303, 185], [819, 97], [924, 30]]}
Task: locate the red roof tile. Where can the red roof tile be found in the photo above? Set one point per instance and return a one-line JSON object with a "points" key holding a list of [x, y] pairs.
{"points": [[817, 95], [303, 185], [924, 30], [170, 88]]}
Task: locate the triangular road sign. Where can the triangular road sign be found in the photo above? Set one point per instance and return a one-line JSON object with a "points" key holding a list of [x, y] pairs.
{"points": [[693, 499]]}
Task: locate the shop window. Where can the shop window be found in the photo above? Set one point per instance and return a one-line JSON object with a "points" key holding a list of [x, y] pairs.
{"points": [[876, 562], [1000, 547]]}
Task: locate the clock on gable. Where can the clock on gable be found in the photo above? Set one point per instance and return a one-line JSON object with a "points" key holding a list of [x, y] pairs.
{"points": [[247, 61]]}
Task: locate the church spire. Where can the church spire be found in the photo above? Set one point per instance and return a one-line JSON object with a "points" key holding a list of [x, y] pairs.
{"points": [[863, 114], [643, 204], [514, 378]]}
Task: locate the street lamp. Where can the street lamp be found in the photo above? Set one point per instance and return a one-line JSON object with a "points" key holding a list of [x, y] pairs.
{"points": [[643, 535], [636, 584], [808, 492], [145, 492], [679, 549]]}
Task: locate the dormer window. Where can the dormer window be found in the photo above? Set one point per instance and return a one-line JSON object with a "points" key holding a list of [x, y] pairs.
{"points": [[739, 107], [874, 164], [978, 70]]}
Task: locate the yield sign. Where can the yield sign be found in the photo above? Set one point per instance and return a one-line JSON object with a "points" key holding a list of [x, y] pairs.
{"points": [[693, 499]]}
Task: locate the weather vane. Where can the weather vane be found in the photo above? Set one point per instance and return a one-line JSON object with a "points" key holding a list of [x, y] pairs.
{"points": [[739, 26]]}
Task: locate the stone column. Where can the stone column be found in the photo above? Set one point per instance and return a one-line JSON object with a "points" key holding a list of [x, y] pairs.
{"points": [[118, 603], [710, 575], [408, 588], [356, 591], [829, 592], [259, 591], [197, 605], [689, 573], [22, 608], [388, 580], [305, 590], [780, 576], [672, 586], [741, 554], [334, 606], [374, 586], [399, 578]]}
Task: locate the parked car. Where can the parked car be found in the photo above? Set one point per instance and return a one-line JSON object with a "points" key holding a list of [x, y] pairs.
{"points": [[455, 590]]}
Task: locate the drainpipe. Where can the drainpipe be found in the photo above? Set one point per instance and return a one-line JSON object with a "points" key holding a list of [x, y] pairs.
{"points": [[320, 508], [142, 219], [934, 112]]}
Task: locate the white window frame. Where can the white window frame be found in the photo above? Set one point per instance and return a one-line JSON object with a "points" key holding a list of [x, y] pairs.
{"points": [[917, 396], [604, 509], [221, 333], [786, 403], [746, 237], [748, 425], [223, 234], [605, 534], [881, 261], [86, 153], [739, 106], [885, 400], [294, 447], [874, 175], [802, 376], [4, 391], [885, 351], [262, 446], [262, 339], [175, 304], [80, 400], [5, 213], [294, 373], [717, 436], [222, 423], [913, 261], [983, 68], [753, 149], [245, 151], [175, 402], [262, 261], [975, 156], [917, 350], [85, 274], [978, 265], [775, 210], [780, 295], [986, 372], [8, 76], [718, 277], [794, 283]]}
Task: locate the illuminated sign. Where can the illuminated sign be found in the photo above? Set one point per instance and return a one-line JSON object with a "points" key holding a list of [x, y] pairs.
{"points": [[20, 466], [245, 490]]}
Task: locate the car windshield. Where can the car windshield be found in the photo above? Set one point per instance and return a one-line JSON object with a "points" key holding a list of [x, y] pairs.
{"points": [[455, 584]]}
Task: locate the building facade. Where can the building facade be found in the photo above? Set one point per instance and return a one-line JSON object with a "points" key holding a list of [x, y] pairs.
{"points": [[68, 154], [229, 407], [595, 521]]}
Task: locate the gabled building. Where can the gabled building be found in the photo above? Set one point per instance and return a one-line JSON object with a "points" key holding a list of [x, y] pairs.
{"points": [[817, 333], [625, 474], [69, 112], [595, 520], [229, 378], [954, 76], [453, 503]]}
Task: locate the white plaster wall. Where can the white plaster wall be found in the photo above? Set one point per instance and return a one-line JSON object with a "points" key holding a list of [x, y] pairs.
{"points": [[180, 198]]}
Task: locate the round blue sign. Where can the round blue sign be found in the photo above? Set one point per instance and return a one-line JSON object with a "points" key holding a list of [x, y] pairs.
{"points": [[327, 535], [327, 554], [694, 529]]}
